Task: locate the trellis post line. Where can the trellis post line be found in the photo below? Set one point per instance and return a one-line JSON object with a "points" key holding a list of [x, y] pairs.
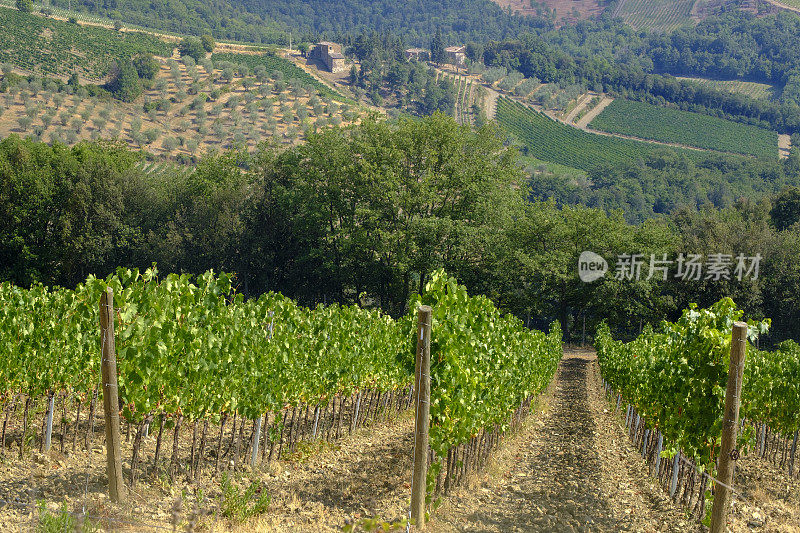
{"points": [[730, 423], [108, 368], [422, 389]]}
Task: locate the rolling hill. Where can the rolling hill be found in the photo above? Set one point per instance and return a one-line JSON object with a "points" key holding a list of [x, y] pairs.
{"points": [[271, 21]]}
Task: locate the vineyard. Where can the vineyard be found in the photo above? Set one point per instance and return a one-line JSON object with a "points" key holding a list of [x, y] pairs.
{"points": [[538, 167], [273, 63], [478, 391], [760, 91], [674, 381], [657, 123], [659, 15], [791, 3], [66, 14], [467, 96], [52, 47], [192, 355], [549, 140], [310, 354]]}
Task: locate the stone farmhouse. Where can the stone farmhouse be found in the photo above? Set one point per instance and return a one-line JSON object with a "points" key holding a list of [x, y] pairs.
{"points": [[456, 55], [330, 54], [417, 54]]}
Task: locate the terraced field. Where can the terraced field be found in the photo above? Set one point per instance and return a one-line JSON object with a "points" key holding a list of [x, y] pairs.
{"points": [[791, 3], [660, 15], [761, 91], [57, 48], [565, 10], [663, 124], [274, 63], [549, 140], [227, 107]]}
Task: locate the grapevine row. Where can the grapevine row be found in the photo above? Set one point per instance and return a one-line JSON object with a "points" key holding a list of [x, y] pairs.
{"points": [[675, 378], [549, 140], [662, 15], [56, 47], [648, 121], [194, 352], [485, 369], [195, 348]]}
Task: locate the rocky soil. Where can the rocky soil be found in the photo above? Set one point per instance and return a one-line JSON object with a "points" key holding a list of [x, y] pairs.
{"points": [[569, 467]]}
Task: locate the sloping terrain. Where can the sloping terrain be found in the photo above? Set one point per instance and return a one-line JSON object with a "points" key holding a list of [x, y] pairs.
{"points": [[565, 10]]}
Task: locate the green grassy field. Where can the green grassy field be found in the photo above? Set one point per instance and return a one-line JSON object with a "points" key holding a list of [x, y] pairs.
{"points": [[272, 63], [53, 47], [534, 165], [549, 140], [761, 91], [692, 129], [660, 15]]}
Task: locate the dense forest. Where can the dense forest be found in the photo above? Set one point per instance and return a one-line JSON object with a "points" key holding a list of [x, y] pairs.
{"points": [[362, 214], [222, 18], [270, 22], [667, 181]]}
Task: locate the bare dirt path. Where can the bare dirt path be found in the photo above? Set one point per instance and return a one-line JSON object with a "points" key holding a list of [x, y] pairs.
{"points": [[583, 101], [320, 487], [569, 469], [491, 102], [784, 146], [590, 116], [366, 475]]}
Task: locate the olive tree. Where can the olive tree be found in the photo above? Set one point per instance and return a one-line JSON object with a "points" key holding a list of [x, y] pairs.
{"points": [[24, 123]]}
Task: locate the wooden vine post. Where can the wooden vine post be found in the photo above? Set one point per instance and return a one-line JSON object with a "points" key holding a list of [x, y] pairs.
{"points": [[730, 422], [116, 488], [422, 387]]}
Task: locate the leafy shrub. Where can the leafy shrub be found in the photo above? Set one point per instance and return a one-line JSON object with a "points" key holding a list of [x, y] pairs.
{"points": [[62, 521], [125, 83], [511, 80], [494, 74], [527, 87], [239, 505], [192, 47], [146, 66], [208, 42]]}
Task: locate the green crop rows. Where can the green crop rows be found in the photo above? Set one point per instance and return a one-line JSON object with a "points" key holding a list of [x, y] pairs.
{"points": [[675, 126], [55, 47], [771, 392], [761, 91], [676, 378], [484, 365], [661, 15], [196, 347], [549, 140], [272, 63]]}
